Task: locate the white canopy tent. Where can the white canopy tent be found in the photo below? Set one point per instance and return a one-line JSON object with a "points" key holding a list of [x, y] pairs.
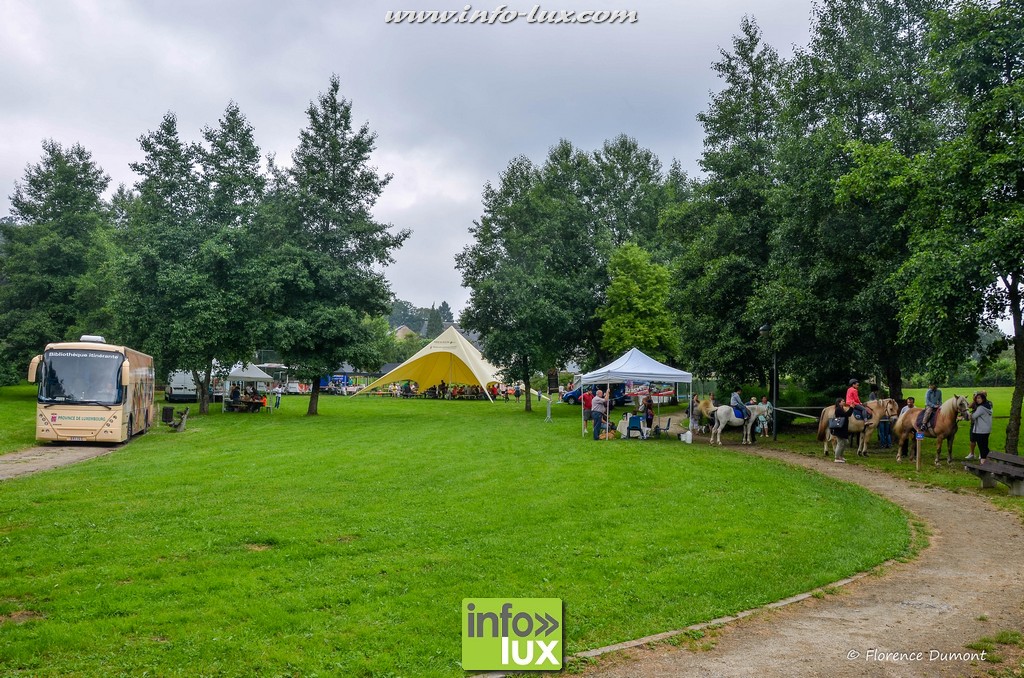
{"points": [[635, 365], [249, 373], [245, 373]]}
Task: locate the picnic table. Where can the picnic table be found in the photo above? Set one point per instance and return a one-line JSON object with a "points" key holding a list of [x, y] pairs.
{"points": [[244, 405]]}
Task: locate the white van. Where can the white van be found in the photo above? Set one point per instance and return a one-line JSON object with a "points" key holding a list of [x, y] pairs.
{"points": [[181, 388]]}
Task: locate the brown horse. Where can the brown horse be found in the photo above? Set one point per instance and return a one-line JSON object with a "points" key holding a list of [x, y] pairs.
{"points": [[946, 421], [885, 407]]}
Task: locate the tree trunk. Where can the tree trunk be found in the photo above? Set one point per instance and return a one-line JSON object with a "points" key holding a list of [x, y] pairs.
{"points": [[525, 382], [202, 381], [1017, 315], [894, 380], [314, 398]]}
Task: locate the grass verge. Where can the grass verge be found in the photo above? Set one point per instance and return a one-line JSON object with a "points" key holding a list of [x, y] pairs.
{"points": [[344, 544]]}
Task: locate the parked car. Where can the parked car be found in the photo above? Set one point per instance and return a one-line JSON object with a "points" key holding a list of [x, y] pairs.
{"points": [[619, 396], [181, 388]]}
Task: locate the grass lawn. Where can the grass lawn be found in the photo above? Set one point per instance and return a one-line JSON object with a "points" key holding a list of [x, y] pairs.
{"points": [[17, 417], [344, 544]]}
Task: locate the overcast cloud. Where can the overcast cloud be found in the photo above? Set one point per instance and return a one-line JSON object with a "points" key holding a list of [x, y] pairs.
{"points": [[451, 104]]}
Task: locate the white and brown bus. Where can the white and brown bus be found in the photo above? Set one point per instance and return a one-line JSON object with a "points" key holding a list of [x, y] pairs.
{"points": [[91, 391]]}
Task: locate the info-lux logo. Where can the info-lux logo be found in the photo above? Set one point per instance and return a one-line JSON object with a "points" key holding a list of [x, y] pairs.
{"points": [[524, 634]]}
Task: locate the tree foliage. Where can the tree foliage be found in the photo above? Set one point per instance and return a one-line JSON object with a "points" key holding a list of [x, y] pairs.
{"points": [[53, 256], [324, 249], [828, 290], [725, 226], [190, 260], [963, 201], [636, 313]]}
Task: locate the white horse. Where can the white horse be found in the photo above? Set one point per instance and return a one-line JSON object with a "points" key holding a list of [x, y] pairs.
{"points": [[724, 415]]}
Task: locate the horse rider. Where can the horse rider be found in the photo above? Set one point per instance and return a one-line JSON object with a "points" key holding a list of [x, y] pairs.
{"points": [[737, 402], [853, 399], [932, 402]]}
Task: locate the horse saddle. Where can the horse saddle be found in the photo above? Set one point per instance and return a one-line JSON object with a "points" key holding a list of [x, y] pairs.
{"points": [[923, 425], [861, 414], [740, 414]]}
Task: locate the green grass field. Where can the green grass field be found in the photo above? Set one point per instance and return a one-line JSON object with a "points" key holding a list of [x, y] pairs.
{"points": [[17, 417], [344, 544]]}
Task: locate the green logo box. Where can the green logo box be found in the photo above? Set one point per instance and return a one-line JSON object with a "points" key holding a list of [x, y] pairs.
{"points": [[522, 634]]}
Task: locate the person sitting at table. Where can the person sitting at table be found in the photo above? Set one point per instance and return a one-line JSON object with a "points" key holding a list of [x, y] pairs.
{"points": [[236, 394]]}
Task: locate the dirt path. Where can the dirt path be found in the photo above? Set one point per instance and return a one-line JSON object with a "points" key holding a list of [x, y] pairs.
{"points": [[37, 459], [967, 584]]}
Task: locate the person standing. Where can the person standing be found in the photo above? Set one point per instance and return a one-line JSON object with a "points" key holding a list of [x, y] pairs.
{"points": [[648, 411], [588, 400], [981, 423], [974, 443], [932, 402], [277, 397], [884, 431], [695, 413], [906, 441], [842, 433], [767, 417], [598, 408]]}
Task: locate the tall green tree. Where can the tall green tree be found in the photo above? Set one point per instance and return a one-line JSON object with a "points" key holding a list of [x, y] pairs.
{"points": [[51, 255], [964, 200], [538, 267], [725, 227], [636, 313], [446, 312], [435, 323], [324, 249], [828, 291], [493, 268], [626, 190], [404, 313], [190, 268]]}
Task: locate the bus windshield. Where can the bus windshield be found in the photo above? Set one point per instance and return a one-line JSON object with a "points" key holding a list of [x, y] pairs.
{"points": [[81, 376]]}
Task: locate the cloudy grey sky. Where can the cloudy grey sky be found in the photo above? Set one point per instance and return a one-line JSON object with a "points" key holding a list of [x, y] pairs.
{"points": [[451, 104]]}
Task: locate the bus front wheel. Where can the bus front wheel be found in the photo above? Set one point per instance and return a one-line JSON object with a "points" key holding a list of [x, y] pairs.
{"points": [[131, 428]]}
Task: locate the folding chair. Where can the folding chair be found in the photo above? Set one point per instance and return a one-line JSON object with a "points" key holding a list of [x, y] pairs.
{"points": [[636, 423]]}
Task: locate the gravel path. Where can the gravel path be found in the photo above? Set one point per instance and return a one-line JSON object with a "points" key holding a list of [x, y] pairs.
{"points": [[967, 584], [44, 458]]}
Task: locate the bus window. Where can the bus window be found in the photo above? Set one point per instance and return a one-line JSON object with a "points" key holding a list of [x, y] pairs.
{"points": [[81, 377]]}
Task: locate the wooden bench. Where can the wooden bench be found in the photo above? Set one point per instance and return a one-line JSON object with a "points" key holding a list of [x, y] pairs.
{"points": [[179, 426], [1007, 469]]}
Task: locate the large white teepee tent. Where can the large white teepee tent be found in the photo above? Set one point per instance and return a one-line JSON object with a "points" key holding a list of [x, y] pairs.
{"points": [[449, 357]]}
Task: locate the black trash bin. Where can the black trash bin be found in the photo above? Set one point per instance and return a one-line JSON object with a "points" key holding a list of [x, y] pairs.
{"points": [[167, 416]]}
